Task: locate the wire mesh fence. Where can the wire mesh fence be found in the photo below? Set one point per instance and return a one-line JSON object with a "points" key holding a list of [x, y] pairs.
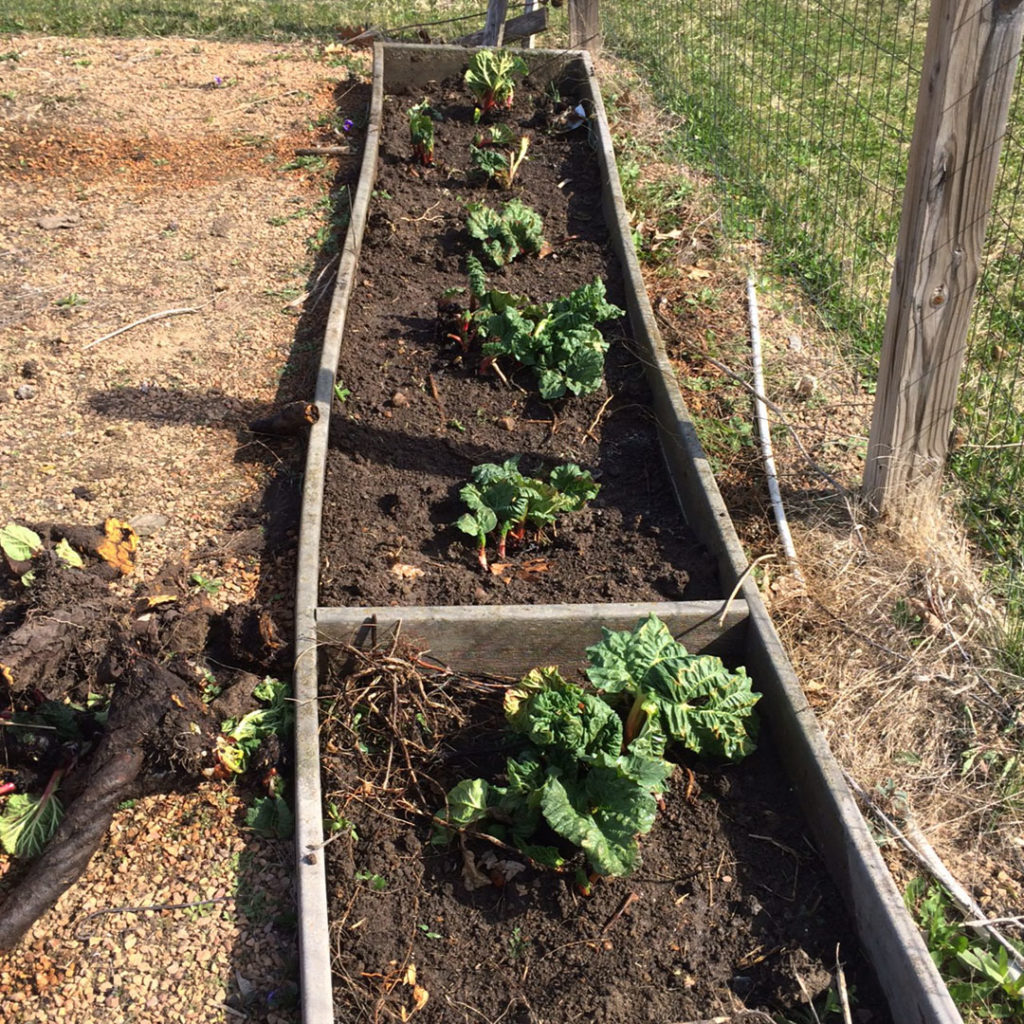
{"points": [[804, 110]]}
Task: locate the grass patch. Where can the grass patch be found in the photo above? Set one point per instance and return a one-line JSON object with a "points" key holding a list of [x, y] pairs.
{"points": [[271, 20]]}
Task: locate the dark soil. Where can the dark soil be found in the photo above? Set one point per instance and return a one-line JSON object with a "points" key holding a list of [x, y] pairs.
{"points": [[420, 416], [731, 908], [72, 639]]}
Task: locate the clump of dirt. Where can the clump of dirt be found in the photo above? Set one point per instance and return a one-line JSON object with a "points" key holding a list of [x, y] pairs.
{"points": [[74, 645]]}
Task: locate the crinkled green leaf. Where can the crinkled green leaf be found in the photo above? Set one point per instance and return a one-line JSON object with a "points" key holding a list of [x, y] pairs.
{"points": [[19, 543], [28, 823], [567, 718], [698, 701], [506, 234], [576, 485], [622, 659], [272, 817], [603, 817]]}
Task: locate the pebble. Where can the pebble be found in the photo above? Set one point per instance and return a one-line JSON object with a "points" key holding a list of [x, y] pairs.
{"points": [[25, 392], [149, 523]]}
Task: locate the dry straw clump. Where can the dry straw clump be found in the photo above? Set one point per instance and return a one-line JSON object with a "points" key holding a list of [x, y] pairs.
{"points": [[896, 638]]}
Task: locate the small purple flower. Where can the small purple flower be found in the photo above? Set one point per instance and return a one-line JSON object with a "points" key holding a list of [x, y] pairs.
{"points": [[348, 124], [218, 81]]}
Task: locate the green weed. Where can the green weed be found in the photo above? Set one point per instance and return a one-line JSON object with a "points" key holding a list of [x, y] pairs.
{"points": [[980, 977], [378, 883]]}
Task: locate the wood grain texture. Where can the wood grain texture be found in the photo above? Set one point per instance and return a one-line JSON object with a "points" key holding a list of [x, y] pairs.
{"points": [[494, 26], [584, 25], [510, 640], [971, 57]]}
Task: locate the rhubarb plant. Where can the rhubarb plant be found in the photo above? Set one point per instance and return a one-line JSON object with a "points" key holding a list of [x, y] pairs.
{"points": [[570, 773], [515, 230], [582, 768], [695, 699], [502, 501], [500, 165], [421, 132], [559, 340], [490, 78]]}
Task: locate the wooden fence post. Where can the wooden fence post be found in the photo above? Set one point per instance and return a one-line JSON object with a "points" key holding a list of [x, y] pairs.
{"points": [[584, 25], [494, 26], [970, 60]]}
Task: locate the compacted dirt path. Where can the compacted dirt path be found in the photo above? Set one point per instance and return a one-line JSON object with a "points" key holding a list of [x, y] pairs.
{"points": [[158, 179]]}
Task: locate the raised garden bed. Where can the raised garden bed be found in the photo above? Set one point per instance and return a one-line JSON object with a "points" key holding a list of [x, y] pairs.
{"points": [[382, 488]]}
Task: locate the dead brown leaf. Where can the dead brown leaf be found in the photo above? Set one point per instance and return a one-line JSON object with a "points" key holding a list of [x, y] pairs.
{"points": [[407, 572], [119, 546]]}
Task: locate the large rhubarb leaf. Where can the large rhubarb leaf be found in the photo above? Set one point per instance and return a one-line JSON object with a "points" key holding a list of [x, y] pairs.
{"points": [[603, 815], [697, 700], [563, 719]]}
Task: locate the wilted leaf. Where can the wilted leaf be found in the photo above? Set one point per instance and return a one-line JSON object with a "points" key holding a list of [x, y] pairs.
{"points": [[533, 566], [419, 997], [19, 543], [698, 274], [407, 572], [68, 555], [118, 546], [472, 877]]}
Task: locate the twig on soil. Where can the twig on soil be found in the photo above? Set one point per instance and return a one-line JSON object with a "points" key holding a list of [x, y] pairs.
{"points": [[597, 419], [180, 311], [323, 151], [227, 1009], [79, 934], [259, 102], [423, 215], [436, 395], [626, 903], [844, 995], [745, 1017], [807, 997]]}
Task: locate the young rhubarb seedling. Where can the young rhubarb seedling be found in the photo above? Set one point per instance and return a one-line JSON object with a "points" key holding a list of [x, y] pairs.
{"points": [[489, 79], [501, 500], [504, 235], [421, 132], [497, 165]]}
